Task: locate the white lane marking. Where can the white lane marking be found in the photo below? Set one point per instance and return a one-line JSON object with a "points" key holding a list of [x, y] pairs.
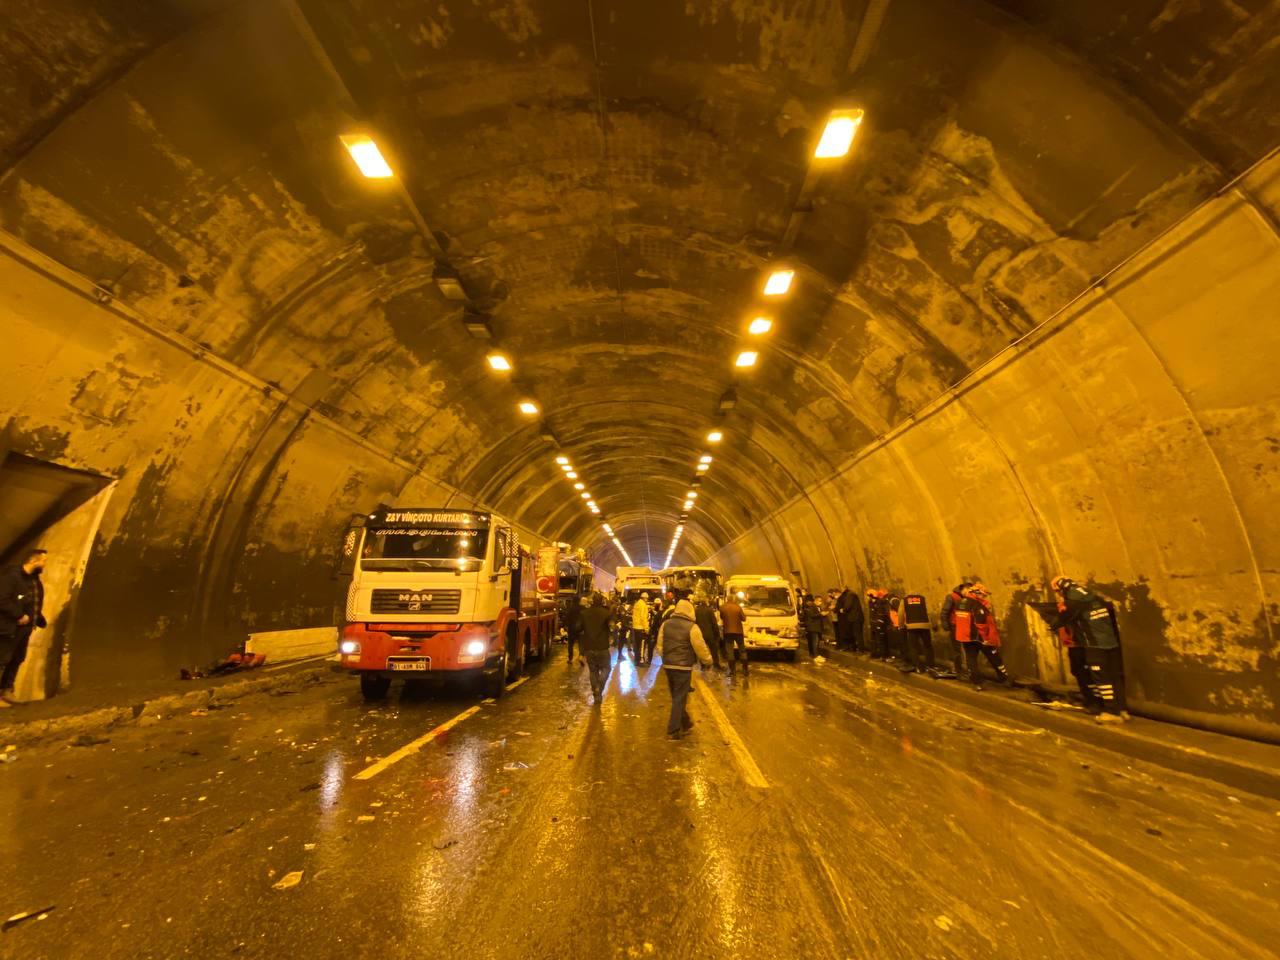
{"points": [[750, 770], [412, 747]]}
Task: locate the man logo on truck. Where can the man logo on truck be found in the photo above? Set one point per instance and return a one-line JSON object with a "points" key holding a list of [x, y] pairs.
{"points": [[415, 598]]}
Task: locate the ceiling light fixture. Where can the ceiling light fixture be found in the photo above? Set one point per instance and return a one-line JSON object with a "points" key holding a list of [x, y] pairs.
{"points": [[691, 495], [779, 283], [367, 156], [499, 361], [715, 436], [571, 474], [759, 326], [579, 486], [562, 460], [837, 136], [584, 495], [705, 458], [747, 358], [704, 467], [528, 408]]}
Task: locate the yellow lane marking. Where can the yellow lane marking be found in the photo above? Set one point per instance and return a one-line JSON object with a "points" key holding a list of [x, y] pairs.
{"points": [[369, 772], [750, 770]]}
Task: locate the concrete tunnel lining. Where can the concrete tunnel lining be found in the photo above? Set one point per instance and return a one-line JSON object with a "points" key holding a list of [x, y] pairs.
{"points": [[612, 207]]}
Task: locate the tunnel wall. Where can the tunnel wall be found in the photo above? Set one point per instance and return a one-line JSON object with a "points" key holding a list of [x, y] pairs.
{"points": [[231, 498], [1133, 440]]}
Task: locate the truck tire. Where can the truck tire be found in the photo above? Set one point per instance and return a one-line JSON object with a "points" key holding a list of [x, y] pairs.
{"points": [[374, 686]]}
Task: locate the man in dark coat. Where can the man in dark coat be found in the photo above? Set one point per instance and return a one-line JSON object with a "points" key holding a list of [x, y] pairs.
{"points": [[705, 617], [597, 623], [573, 624], [848, 620], [21, 611]]}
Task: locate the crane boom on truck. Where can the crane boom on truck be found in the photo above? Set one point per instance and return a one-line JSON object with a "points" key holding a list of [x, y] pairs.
{"points": [[438, 593]]}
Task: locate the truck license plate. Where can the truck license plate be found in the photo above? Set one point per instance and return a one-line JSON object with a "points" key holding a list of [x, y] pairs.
{"points": [[409, 663]]}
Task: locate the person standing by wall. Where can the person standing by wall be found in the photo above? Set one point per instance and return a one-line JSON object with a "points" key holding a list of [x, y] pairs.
{"points": [[811, 620], [919, 635], [733, 622], [976, 630], [878, 618], [1092, 622], [849, 621], [682, 644], [949, 606], [597, 624], [21, 612]]}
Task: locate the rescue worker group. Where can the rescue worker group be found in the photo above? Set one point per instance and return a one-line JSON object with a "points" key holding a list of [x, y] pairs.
{"points": [[709, 630]]}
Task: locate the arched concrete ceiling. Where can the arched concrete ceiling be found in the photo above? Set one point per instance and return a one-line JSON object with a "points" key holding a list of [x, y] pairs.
{"points": [[610, 179]]}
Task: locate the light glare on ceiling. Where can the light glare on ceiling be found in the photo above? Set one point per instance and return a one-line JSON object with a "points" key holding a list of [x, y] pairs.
{"points": [[579, 486], [747, 358], [779, 283], [499, 361], [528, 408], [367, 156], [760, 325], [715, 436], [838, 135], [562, 460], [705, 458]]}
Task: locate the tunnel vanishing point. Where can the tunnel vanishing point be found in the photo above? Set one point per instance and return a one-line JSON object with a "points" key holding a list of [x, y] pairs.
{"points": [[1031, 329]]}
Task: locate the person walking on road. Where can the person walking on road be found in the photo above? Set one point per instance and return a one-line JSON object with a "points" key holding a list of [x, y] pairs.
{"points": [[661, 610], [21, 612], [681, 643], [639, 627], [704, 616], [597, 623], [732, 623], [573, 624], [811, 619]]}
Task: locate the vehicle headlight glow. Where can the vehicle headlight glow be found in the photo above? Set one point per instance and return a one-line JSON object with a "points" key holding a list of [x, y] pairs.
{"points": [[475, 648], [349, 647]]}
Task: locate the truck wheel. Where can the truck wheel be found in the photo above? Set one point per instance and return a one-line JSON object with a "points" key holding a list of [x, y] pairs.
{"points": [[494, 684], [374, 686]]}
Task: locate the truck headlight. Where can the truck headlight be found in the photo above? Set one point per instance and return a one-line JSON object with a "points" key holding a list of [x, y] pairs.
{"points": [[349, 647], [475, 648], [791, 633]]}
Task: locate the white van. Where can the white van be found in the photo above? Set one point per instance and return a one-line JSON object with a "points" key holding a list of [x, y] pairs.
{"points": [[772, 611]]}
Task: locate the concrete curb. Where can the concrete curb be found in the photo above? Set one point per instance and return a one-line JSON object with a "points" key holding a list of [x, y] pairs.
{"points": [[33, 732], [1241, 764]]}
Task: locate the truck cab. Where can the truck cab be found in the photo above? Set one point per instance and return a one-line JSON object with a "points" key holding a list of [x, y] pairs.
{"points": [[772, 611], [438, 593]]}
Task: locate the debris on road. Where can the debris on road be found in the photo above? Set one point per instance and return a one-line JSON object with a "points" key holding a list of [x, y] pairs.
{"points": [[365, 818], [523, 733], [943, 922], [288, 881], [25, 915], [517, 765], [8, 757], [89, 740], [308, 846], [445, 843]]}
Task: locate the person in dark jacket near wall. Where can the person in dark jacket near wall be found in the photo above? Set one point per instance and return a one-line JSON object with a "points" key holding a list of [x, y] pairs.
{"points": [[682, 645], [849, 621], [948, 617], [21, 612], [573, 624], [1092, 621], [811, 620], [597, 625]]}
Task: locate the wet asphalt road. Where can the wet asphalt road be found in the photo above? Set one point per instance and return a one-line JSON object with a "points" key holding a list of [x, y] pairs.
{"points": [[829, 814]]}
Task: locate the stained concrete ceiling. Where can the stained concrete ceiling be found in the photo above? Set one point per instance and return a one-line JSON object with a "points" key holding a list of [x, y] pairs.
{"points": [[610, 181]]}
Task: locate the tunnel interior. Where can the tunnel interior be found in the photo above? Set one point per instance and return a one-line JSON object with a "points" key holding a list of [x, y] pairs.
{"points": [[1032, 326]]}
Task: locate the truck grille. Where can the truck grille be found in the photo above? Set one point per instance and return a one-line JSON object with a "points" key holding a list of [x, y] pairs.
{"points": [[416, 601]]}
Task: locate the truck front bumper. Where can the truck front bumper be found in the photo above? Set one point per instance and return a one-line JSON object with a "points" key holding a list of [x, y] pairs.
{"points": [[408, 650]]}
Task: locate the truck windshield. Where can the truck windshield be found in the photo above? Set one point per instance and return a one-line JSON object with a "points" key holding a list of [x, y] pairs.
{"points": [[684, 582], [424, 548], [766, 601]]}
